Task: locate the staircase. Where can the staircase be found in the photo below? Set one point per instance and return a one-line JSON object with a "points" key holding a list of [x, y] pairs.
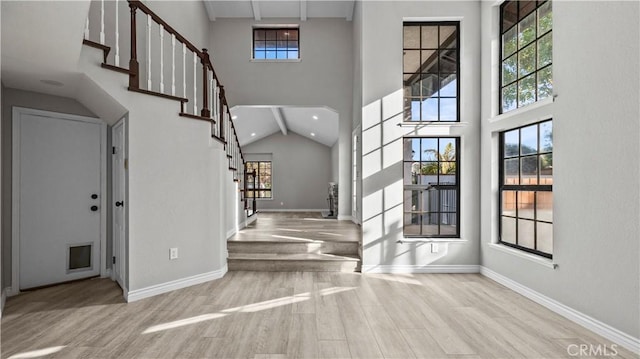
{"points": [[285, 242]]}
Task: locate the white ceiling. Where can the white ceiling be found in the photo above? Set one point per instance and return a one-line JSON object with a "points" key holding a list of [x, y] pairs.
{"points": [[265, 9], [264, 121]]}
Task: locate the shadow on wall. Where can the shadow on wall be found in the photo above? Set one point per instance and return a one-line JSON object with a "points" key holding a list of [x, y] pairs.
{"points": [[382, 172]]}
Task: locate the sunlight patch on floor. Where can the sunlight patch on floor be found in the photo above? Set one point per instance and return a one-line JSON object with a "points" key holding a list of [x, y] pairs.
{"points": [[38, 353], [294, 238], [249, 308]]}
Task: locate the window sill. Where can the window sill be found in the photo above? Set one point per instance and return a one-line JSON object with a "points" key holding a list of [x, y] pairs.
{"points": [[431, 240], [432, 123], [531, 257], [275, 60], [542, 103]]}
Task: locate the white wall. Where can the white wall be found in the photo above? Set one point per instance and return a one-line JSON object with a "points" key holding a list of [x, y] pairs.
{"points": [[235, 216], [323, 77], [335, 159], [176, 174], [301, 171], [596, 168], [382, 148], [12, 97]]}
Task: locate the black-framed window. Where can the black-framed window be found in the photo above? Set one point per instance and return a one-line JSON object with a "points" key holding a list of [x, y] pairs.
{"points": [[431, 187], [526, 56], [276, 43], [526, 184], [431, 68], [263, 185]]}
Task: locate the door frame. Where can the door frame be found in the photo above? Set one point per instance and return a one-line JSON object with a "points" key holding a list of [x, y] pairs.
{"points": [[17, 113], [120, 262]]}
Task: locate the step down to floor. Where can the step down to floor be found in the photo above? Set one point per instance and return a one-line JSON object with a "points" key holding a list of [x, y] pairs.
{"points": [[292, 247], [287, 262]]}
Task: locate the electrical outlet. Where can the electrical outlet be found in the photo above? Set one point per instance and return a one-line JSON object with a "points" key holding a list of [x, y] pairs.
{"points": [[173, 253], [434, 247]]}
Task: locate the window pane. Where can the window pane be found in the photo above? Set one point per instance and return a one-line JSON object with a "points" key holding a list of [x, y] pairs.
{"points": [[430, 149], [430, 85], [270, 45], [449, 169], [526, 7], [527, 90], [545, 237], [411, 224], [292, 54], [509, 203], [429, 169], [429, 110], [546, 169], [448, 85], [411, 61], [509, 42], [429, 61], [546, 136], [545, 50], [411, 172], [411, 203], [447, 149], [511, 143], [529, 170], [544, 206], [448, 203], [411, 149], [527, 30], [526, 233], [259, 35], [270, 55], [545, 83], [509, 68], [511, 171], [411, 37], [448, 37], [449, 61], [508, 230], [430, 37], [271, 34], [527, 60], [430, 224], [281, 54], [509, 14], [526, 204], [509, 95], [545, 20], [415, 109], [529, 140], [448, 109], [259, 55], [294, 34]]}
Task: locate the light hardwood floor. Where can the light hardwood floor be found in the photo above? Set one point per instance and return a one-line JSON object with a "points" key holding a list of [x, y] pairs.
{"points": [[293, 315]]}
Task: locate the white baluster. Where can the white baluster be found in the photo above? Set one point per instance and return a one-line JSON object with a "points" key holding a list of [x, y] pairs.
{"points": [[195, 85], [214, 98], [161, 58], [102, 22], [210, 99], [86, 29], [184, 70], [149, 52], [173, 64], [116, 58]]}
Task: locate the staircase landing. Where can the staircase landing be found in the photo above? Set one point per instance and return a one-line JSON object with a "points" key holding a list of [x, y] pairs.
{"points": [[295, 241]]}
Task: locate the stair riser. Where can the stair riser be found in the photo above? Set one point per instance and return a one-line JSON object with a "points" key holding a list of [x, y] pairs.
{"points": [[342, 248], [292, 266]]}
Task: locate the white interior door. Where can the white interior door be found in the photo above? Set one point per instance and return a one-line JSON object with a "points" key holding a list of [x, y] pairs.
{"points": [[118, 172], [59, 198]]}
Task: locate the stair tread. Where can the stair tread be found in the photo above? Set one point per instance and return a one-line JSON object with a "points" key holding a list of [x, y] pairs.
{"points": [[292, 257], [268, 240]]}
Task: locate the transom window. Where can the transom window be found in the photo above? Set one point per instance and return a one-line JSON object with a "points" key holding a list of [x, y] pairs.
{"points": [[262, 179], [276, 43], [526, 197], [526, 53], [431, 187], [431, 64]]}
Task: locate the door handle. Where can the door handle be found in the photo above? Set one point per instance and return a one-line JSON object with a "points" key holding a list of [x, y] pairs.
{"points": [[94, 208], [120, 204]]}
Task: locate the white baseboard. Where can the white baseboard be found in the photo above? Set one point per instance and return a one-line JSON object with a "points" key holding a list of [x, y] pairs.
{"points": [[290, 210], [580, 318], [153, 290], [3, 299], [250, 220], [231, 232], [420, 268], [344, 217]]}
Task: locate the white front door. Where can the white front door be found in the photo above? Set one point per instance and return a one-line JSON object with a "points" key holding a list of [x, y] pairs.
{"points": [[59, 198], [118, 168]]}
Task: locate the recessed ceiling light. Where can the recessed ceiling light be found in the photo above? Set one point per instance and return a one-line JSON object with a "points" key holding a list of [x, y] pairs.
{"points": [[52, 82], [313, 134], [234, 117], [314, 117], [253, 134]]}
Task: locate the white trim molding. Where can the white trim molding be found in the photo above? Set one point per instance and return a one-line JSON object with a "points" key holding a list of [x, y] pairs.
{"points": [[135, 295], [573, 315], [3, 299], [417, 268], [292, 210]]}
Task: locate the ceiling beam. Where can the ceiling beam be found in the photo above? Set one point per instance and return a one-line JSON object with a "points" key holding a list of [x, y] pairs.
{"points": [[350, 9], [303, 10], [279, 117], [208, 5], [255, 6]]}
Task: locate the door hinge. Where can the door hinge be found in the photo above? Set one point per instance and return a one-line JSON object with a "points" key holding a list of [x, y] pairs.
{"points": [[113, 150], [114, 260]]}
